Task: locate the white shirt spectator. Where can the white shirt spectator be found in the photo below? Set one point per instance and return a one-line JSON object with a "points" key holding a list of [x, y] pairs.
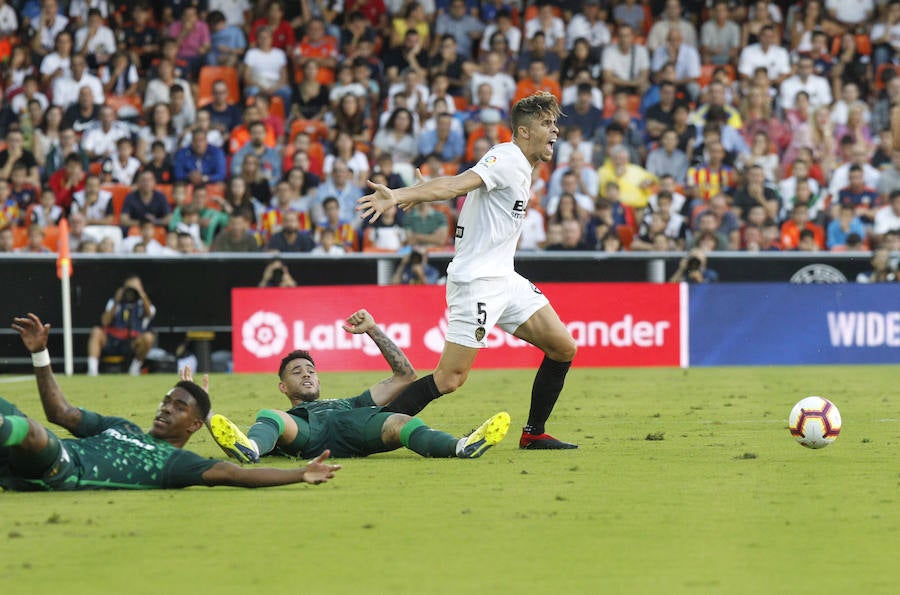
{"points": [[9, 22], [628, 65], [886, 220], [597, 34], [79, 8], [503, 87], [158, 92], [513, 38], [54, 61], [232, 9], [776, 61], [103, 142], [841, 178], [533, 234], [687, 62], [552, 35], [878, 30], [213, 137], [816, 87], [48, 35], [564, 150], [660, 31], [851, 12], [582, 200], [123, 173], [103, 41], [19, 103], [95, 211], [66, 88], [266, 66], [570, 94]]}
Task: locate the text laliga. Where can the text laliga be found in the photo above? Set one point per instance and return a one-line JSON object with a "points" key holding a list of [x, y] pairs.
{"points": [[333, 336]]}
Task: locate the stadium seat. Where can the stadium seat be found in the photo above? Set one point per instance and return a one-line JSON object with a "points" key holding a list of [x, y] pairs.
{"points": [[879, 83], [51, 238], [119, 192], [20, 236], [166, 189], [276, 107], [316, 129], [209, 75]]}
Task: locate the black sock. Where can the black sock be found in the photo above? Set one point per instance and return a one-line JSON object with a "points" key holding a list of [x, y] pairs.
{"points": [[415, 397], [548, 383]]}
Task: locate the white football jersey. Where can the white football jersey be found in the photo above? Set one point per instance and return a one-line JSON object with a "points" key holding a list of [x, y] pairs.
{"points": [[492, 216]]}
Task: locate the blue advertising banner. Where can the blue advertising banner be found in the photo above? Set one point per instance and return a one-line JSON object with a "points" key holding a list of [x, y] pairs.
{"points": [[786, 324]]}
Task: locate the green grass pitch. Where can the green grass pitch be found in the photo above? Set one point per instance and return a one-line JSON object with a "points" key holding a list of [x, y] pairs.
{"points": [[722, 501]]}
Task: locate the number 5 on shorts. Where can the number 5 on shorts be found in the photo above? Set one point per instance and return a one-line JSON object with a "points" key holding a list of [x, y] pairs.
{"points": [[482, 313]]}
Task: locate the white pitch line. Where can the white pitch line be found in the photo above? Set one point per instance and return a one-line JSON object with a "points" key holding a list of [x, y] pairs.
{"points": [[13, 379]]}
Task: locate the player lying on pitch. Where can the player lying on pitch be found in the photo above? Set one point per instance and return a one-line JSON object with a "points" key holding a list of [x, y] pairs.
{"points": [[112, 452], [354, 427]]}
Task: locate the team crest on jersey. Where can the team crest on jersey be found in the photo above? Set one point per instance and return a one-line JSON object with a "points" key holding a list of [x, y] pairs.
{"points": [[489, 161], [479, 333]]}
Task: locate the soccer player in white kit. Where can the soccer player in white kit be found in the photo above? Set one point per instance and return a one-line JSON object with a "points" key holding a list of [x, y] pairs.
{"points": [[483, 289]]}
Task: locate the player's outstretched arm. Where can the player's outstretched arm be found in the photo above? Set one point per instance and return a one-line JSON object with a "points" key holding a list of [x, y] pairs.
{"points": [[403, 372], [229, 474], [441, 188], [58, 410]]}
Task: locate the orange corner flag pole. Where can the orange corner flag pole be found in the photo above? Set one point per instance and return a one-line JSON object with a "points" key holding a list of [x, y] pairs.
{"points": [[64, 272]]}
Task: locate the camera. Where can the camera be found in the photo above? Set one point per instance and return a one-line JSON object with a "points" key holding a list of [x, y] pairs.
{"points": [[277, 276], [693, 264], [130, 295]]}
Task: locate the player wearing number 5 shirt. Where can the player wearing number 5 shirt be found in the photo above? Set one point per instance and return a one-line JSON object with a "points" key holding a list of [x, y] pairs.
{"points": [[483, 289]]}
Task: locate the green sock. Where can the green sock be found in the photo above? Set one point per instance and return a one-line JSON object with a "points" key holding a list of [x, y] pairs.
{"points": [[421, 439], [266, 431], [13, 429]]}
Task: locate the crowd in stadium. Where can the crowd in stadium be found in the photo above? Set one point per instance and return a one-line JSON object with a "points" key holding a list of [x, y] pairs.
{"points": [[178, 126]]}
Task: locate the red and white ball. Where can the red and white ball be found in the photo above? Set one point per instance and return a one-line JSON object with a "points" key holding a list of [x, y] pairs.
{"points": [[815, 422]]}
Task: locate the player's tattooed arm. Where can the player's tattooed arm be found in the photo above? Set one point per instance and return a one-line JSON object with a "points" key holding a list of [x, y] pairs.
{"points": [[403, 372]]}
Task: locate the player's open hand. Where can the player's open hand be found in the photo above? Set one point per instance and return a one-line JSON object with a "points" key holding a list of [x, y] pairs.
{"points": [[373, 205], [359, 322], [317, 471], [34, 333], [187, 374]]}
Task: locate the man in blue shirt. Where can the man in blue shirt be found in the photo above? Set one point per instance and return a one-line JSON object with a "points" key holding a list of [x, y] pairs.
{"points": [[227, 42], [145, 203], [443, 140], [201, 162]]}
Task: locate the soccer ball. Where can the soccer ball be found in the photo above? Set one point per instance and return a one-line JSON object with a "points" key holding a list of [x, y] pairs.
{"points": [[815, 422]]}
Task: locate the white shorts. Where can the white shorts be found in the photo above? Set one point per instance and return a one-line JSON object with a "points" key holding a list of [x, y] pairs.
{"points": [[476, 307]]}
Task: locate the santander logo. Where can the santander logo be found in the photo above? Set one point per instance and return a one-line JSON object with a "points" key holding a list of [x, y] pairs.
{"points": [[623, 333]]}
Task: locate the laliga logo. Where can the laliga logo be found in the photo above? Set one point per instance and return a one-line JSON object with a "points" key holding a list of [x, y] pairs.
{"points": [[264, 334]]}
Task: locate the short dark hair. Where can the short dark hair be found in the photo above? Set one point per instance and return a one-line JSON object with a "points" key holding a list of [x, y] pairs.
{"points": [[533, 106], [296, 354], [201, 397]]}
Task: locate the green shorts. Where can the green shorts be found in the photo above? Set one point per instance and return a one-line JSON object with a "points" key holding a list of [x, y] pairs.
{"points": [[50, 469], [352, 433]]}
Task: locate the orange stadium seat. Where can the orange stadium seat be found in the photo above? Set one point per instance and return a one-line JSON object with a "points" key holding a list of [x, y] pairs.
{"points": [[20, 236], [119, 192], [316, 129], [51, 237], [209, 75]]}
